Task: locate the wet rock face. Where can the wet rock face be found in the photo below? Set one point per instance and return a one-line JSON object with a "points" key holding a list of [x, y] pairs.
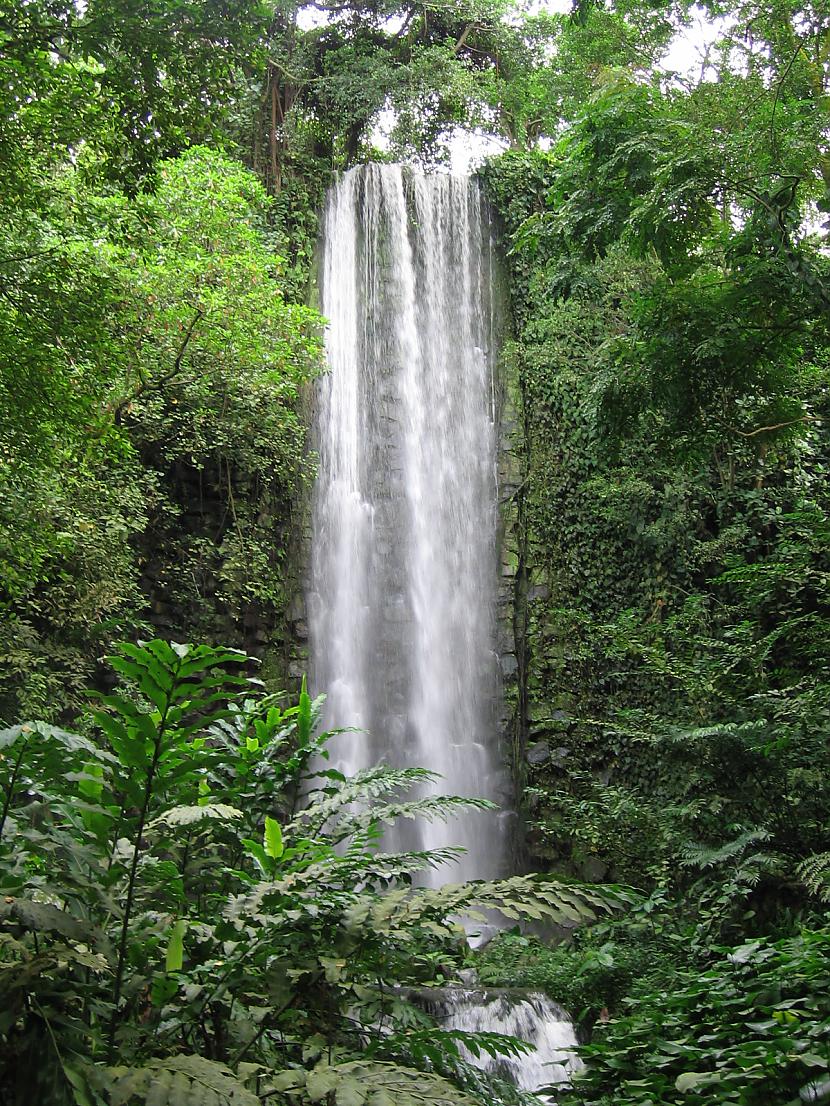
{"points": [[538, 754]]}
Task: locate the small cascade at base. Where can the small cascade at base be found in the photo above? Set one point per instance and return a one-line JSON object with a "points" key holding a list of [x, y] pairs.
{"points": [[528, 1015]]}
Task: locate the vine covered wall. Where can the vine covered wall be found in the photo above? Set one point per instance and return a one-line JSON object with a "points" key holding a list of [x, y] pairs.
{"points": [[668, 682]]}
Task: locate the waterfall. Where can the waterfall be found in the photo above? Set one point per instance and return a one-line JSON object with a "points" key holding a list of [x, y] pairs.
{"points": [[528, 1015], [402, 602]]}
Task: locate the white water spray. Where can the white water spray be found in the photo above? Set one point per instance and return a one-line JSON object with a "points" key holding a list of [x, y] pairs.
{"points": [[528, 1015], [404, 561]]}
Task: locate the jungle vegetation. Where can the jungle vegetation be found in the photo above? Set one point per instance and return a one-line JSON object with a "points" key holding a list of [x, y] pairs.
{"points": [[174, 927]]}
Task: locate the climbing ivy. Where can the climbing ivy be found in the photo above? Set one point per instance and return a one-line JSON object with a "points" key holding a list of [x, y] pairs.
{"points": [[675, 687]]}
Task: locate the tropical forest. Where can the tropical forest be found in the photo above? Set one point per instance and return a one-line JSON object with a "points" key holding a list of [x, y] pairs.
{"points": [[414, 552]]}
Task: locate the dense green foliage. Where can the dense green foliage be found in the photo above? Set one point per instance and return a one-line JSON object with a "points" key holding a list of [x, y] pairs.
{"points": [[173, 925], [670, 368], [173, 918], [752, 1029], [149, 418]]}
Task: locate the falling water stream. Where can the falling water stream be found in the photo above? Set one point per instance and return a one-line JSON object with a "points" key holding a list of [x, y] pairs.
{"points": [[528, 1015], [404, 552], [402, 602]]}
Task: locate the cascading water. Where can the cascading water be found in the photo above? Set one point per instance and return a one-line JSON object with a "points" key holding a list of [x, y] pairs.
{"points": [[402, 603], [403, 595], [528, 1015]]}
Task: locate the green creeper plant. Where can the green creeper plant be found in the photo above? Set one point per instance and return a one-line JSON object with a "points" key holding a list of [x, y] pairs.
{"points": [[752, 1029]]}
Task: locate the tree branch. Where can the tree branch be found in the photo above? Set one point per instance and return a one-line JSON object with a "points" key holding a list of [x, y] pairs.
{"points": [[463, 38], [25, 257], [157, 385], [775, 426], [778, 87]]}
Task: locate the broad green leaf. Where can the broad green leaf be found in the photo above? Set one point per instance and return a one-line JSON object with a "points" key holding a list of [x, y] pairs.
{"points": [[380, 1097], [333, 968], [174, 957], [10, 735], [42, 916], [163, 988], [91, 785], [814, 1061], [688, 1080], [273, 838], [263, 861], [349, 1093], [321, 1082], [289, 1079], [81, 1090]]}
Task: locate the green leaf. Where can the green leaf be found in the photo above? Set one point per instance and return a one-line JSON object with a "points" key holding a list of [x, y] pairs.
{"points": [[91, 785], [333, 968], [349, 1093], [163, 989], [264, 862], [9, 736], [174, 957], [380, 1097], [289, 1079], [41, 916], [321, 1082], [688, 1080], [304, 718], [81, 1090], [273, 838], [143, 679]]}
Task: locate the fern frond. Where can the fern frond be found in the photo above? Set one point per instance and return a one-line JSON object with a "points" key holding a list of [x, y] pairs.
{"points": [[698, 734], [363, 787], [452, 1053], [360, 1081], [697, 855], [431, 808], [391, 866], [174, 1081], [400, 913], [447, 1043], [814, 872], [192, 815]]}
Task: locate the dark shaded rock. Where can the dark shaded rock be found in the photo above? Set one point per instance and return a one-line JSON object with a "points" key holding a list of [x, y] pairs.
{"points": [[538, 754], [509, 664], [593, 870], [296, 609]]}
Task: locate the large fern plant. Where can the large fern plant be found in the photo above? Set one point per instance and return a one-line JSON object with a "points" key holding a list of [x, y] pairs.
{"points": [[176, 928]]}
